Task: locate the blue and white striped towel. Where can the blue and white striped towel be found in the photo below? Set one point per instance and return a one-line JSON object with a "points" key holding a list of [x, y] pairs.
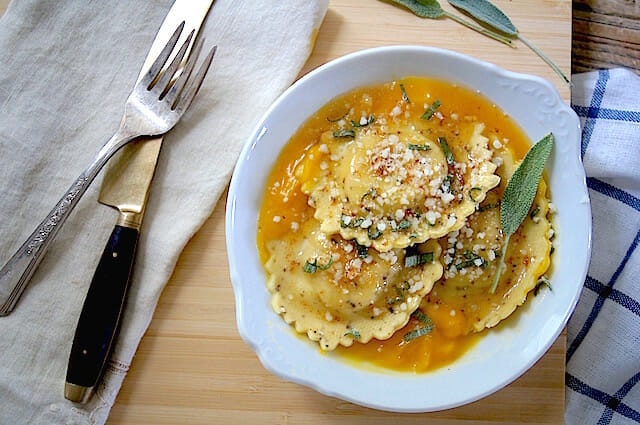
{"points": [[603, 347]]}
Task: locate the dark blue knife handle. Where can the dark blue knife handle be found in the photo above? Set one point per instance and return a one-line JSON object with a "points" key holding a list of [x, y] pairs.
{"points": [[103, 306]]}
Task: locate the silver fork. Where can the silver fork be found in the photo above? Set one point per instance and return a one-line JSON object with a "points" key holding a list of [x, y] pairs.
{"points": [[153, 108]]}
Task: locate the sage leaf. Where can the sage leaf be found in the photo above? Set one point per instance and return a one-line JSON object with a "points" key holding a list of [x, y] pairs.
{"points": [[523, 185], [488, 14], [423, 8], [432, 9], [520, 192]]}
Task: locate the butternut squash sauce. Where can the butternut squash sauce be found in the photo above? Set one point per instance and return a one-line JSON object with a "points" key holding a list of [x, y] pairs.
{"points": [[450, 337]]}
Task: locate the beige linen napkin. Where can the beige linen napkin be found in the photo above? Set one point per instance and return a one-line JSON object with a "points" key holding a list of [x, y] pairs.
{"points": [[65, 72]]}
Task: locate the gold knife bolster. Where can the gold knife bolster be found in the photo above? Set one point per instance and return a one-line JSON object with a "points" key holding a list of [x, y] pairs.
{"points": [[130, 219], [77, 393]]}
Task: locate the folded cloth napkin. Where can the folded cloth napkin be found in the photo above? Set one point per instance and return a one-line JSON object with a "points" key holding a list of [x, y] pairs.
{"points": [[66, 71], [603, 347]]}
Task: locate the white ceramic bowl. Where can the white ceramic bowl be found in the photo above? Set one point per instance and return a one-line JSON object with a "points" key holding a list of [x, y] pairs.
{"points": [[504, 353]]}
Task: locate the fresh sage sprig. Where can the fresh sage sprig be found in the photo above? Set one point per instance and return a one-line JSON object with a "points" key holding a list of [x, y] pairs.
{"points": [[488, 14], [431, 9], [520, 192]]}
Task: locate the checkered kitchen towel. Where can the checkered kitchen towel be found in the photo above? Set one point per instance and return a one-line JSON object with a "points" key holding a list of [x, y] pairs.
{"points": [[603, 352]]}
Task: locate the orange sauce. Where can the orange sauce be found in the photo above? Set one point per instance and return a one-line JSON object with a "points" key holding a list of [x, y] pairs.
{"points": [[283, 197]]}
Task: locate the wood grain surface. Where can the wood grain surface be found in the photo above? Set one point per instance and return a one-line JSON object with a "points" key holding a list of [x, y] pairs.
{"points": [[192, 367], [606, 34]]}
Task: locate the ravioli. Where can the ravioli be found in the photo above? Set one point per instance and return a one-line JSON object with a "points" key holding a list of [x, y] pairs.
{"points": [[386, 201], [395, 183], [471, 257], [337, 292]]}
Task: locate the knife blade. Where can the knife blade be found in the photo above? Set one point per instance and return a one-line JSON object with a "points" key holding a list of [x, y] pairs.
{"points": [[125, 187]]}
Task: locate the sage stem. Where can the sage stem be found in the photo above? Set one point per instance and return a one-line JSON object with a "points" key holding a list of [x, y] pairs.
{"points": [[545, 58], [481, 30], [504, 251]]}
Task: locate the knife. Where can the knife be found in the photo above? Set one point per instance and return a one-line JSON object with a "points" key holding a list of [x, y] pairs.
{"points": [[125, 187]]}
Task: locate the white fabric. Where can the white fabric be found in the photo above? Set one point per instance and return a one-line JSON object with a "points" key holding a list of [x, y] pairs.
{"points": [[603, 344], [66, 70]]}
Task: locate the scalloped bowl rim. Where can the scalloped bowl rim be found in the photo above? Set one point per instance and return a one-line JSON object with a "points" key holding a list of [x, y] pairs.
{"points": [[504, 353]]}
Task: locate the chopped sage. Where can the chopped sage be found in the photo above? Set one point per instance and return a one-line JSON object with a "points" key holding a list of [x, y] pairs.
{"points": [[446, 184], [418, 259], [404, 94], [468, 254], [373, 232], [399, 297], [543, 281], [471, 263], [413, 147], [404, 224], [371, 192], [447, 152], [344, 134], [431, 110], [423, 318], [353, 332], [417, 333], [420, 316], [488, 207], [474, 189], [312, 267], [352, 223], [363, 251]]}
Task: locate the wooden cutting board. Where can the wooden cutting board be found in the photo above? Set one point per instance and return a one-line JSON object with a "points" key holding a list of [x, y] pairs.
{"points": [[192, 367]]}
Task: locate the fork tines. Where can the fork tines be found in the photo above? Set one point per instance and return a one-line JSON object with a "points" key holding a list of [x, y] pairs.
{"points": [[179, 93]]}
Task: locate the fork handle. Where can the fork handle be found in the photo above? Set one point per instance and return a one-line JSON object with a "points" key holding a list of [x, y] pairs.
{"points": [[99, 321], [16, 273]]}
